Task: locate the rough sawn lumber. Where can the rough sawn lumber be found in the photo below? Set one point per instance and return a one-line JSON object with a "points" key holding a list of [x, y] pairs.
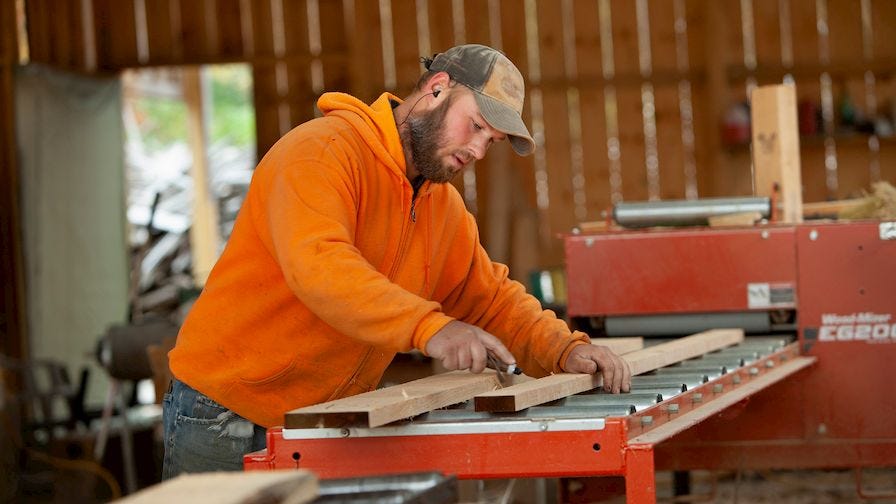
{"points": [[379, 407], [542, 390]]}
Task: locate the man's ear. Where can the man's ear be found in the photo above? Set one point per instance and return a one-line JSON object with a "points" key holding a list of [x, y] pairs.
{"points": [[438, 83]]}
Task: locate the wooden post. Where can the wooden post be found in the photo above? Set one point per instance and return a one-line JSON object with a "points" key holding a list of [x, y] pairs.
{"points": [[205, 237], [776, 150]]}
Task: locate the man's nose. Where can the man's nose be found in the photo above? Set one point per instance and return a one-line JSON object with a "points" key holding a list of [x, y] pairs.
{"points": [[478, 147]]}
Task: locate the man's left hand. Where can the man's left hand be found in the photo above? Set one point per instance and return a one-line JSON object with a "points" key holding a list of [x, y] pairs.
{"points": [[591, 359]]}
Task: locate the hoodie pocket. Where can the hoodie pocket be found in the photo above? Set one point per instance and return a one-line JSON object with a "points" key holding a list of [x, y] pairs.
{"points": [[269, 373]]}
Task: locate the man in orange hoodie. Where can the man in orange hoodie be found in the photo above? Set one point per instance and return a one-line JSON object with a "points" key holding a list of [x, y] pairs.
{"points": [[350, 247]]}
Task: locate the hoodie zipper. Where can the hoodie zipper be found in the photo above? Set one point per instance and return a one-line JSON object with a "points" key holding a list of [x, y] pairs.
{"points": [[406, 232]]}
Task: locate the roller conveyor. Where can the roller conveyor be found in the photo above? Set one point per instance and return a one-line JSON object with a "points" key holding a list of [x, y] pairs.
{"points": [[587, 434]]}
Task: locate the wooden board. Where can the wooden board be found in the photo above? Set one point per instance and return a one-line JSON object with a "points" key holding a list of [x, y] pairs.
{"points": [[290, 486], [389, 404], [620, 346], [735, 219], [542, 390], [776, 149]]}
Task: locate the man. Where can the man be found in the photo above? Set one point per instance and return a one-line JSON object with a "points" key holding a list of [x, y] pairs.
{"points": [[350, 247]]}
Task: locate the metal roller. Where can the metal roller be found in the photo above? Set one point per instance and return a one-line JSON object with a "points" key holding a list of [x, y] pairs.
{"points": [[686, 212]]}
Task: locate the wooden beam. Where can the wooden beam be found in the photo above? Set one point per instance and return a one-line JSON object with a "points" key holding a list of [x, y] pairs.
{"points": [[389, 404], [620, 346], [776, 149], [832, 208], [735, 219], [293, 486], [542, 390]]}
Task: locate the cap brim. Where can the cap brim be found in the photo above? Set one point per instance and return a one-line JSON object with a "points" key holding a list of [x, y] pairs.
{"points": [[507, 121]]}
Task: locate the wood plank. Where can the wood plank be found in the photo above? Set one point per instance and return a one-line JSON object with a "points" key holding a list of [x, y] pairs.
{"points": [[697, 415], [379, 407], [776, 149], [292, 486], [542, 390], [735, 219], [831, 208], [620, 346]]}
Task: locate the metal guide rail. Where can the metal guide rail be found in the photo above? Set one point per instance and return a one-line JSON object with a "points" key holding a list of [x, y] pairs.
{"points": [[588, 434]]}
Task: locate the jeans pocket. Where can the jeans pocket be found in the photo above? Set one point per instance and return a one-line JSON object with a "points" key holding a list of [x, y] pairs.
{"points": [[207, 436]]}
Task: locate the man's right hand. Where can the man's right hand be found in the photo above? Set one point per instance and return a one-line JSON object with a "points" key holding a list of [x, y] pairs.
{"points": [[463, 346]]}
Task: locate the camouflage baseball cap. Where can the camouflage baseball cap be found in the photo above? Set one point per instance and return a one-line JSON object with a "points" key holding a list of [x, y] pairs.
{"points": [[497, 86]]}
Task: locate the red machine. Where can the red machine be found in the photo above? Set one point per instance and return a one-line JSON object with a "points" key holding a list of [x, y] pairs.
{"points": [[809, 390], [831, 285]]}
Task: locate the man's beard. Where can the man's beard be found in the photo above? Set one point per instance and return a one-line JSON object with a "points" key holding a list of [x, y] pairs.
{"points": [[425, 139]]}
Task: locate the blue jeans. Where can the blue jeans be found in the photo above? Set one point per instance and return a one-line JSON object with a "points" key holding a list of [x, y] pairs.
{"points": [[202, 436]]}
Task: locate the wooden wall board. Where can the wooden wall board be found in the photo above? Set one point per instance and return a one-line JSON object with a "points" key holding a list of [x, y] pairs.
{"points": [[661, 17], [549, 388], [625, 37], [883, 28], [198, 33], [853, 170], [266, 103], [586, 22], [407, 51], [845, 27], [39, 32], [302, 98], [386, 405], [888, 162], [477, 17], [804, 32], [556, 116], [365, 44], [767, 32], [670, 149], [334, 46], [262, 31], [594, 152], [164, 45], [115, 34], [667, 116], [631, 143], [522, 232], [731, 32], [697, 36], [229, 30], [441, 26], [61, 43]]}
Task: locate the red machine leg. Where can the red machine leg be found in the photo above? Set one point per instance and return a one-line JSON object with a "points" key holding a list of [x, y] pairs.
{"points": [[640, 481]]}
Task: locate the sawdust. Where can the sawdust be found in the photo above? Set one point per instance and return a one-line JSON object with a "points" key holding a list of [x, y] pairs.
{"points": [[880, 204]]}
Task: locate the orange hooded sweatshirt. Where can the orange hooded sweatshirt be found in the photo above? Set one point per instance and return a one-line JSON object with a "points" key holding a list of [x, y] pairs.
{"points": [[333, 267]]}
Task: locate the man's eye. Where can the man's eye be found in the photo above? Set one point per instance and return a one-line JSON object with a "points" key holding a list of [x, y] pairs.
{"points": [[476, 126]]}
